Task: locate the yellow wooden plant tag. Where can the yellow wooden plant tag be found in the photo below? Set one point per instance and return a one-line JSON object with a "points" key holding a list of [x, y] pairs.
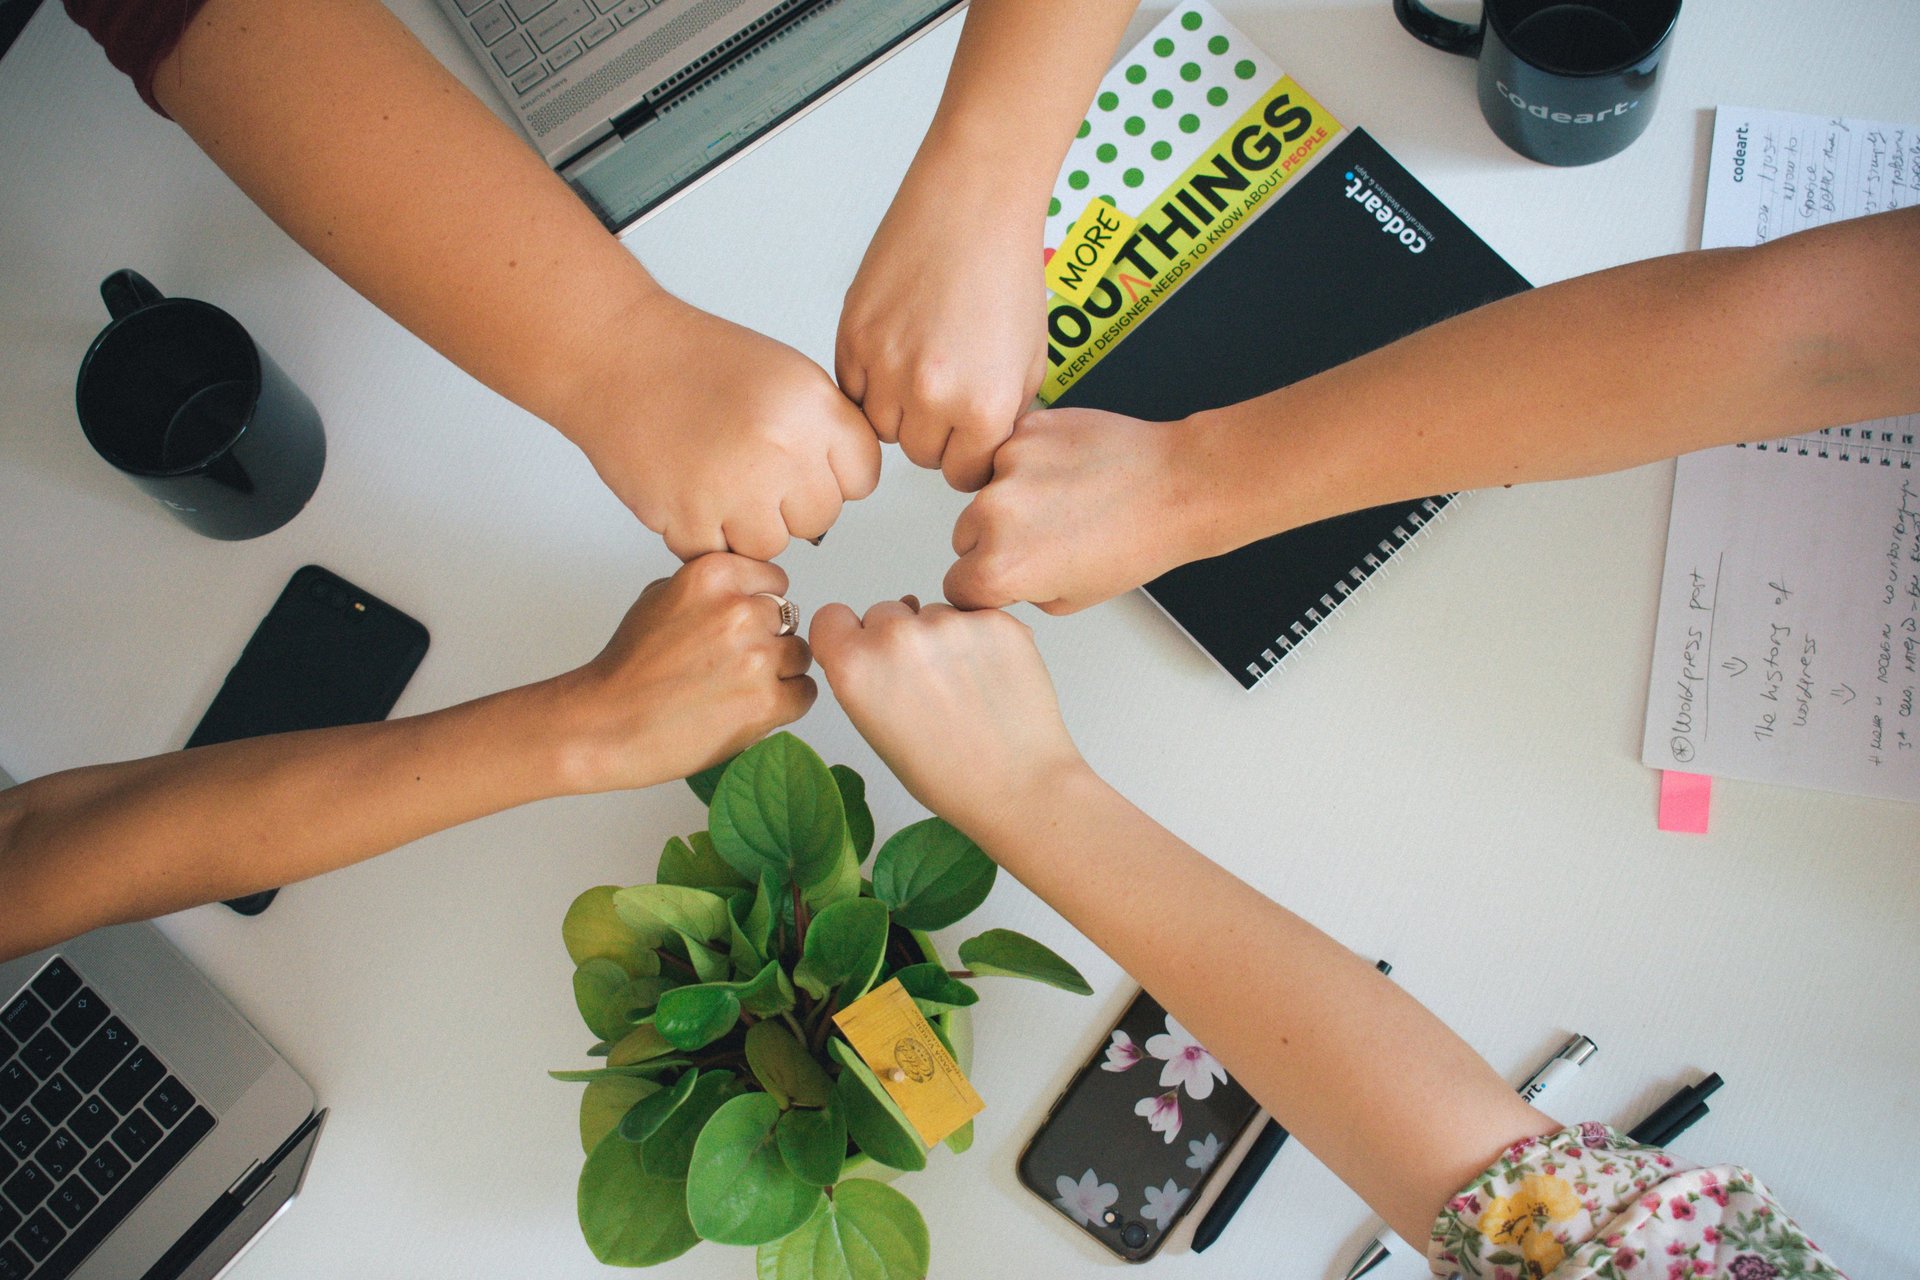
{"points": [[893, 1038], [1087, 250]]}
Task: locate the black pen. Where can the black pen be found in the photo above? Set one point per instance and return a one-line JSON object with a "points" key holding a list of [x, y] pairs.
{"points": [[1662, 1123], [1681, 1125], [1260, 1154]]}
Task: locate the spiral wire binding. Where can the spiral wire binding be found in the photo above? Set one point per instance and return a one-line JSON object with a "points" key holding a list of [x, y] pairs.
{"points": [[1304, 634], [1865, 444]]}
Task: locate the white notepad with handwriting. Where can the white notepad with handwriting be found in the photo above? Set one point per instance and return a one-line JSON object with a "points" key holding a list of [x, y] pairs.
{"points": [[1788, 646]]}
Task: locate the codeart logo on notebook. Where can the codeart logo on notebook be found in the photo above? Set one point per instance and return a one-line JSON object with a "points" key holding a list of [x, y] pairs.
{"points": [[1392, 216]]}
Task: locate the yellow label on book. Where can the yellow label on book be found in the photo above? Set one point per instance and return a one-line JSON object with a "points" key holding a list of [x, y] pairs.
{"points": [[893, 1038], [1273, 140], [1087, 250]]}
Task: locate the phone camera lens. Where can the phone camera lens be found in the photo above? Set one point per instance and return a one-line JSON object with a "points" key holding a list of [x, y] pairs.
{"points": [[1111, 1218], [1134, 1236]]}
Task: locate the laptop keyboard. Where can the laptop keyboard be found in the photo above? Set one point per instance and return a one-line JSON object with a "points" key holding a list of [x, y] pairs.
{"points": [[529, 40], [90, 1122]]}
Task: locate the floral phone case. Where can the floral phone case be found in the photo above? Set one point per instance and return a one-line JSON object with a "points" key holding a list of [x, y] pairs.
{"points": [[1126, 1149]]}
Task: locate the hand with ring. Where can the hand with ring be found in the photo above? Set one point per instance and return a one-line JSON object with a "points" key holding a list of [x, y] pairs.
{"points": [[706, 663]]}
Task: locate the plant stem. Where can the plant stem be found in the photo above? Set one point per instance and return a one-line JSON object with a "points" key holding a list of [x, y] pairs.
{"points": [[799, 921], [667, 957], [961, 973], [827, 1007], [798, 1033]]}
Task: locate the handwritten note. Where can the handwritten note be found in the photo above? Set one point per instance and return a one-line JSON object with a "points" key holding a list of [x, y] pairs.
{"points": [[1788, 646]]}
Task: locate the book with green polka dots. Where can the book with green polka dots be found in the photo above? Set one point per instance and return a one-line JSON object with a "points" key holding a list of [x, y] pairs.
{"points": [[1162, 103]]}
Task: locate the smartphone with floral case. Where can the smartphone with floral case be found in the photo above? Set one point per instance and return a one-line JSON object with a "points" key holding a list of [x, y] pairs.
{"points": [[1125, 1151]]}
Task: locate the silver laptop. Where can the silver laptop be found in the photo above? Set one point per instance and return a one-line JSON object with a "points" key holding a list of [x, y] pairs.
{"points": [[634, 102], [146, 1130]]}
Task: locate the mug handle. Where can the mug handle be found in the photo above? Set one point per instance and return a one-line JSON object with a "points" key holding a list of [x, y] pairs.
{"points": [[1442, 33], [126, 291]]}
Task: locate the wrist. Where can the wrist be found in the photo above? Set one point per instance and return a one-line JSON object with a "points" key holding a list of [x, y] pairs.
{"points": [[593, 400], [559, 733], [1047, 795], [1244, 477], [969, 152]]}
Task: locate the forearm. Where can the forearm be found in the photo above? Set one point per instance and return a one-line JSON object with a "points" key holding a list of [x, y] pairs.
{"points": [[1375, 1086], [1590, 375], [1022, 79], [348, 133], [116, 842]]}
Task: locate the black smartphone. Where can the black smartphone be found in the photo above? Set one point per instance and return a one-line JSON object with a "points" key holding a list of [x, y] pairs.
{"points": [[1125, 1151], [326, 654]]}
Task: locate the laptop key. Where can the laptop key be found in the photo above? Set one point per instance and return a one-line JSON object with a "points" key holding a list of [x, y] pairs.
{"points": [[562, 22], [23, 1133], [126, 1196], [137, 1135], [91, 1122], [14, 1264], [9, 1219], [7, 1044], [44, 1053], [599, 31], [72, 1202], [627, 10], [28, 1187], [492, 24], [513, 53], [24, 1016], [83, 1013], [126, 1086], [101, 1054], [56, 982], [8, 1163], [40, 1234], [468, 6], [16, 1084], [532, 76], [56, 1100], [60, 1155], [564, 54], [169, 1102], [104, 1169], [525, 9]]}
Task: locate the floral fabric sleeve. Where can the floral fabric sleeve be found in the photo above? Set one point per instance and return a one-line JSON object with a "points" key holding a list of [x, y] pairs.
{"points": [[1587, 1203]]}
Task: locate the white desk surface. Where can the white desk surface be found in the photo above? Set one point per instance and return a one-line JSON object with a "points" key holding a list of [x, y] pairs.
{"points": [[1449, 778]]}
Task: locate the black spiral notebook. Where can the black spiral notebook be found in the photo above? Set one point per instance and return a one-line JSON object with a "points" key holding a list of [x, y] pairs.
{"points": [[1352, 256]]}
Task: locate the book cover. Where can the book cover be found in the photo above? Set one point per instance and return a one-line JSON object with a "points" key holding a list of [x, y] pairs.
{"points": [[1355, 255]]}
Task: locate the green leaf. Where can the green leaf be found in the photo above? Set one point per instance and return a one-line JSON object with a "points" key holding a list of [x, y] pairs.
{"points": [[935, 990], [853, 801], [640, 996], [931, 875], [867, 1231], [651, 1069], [777, 812], [597, 985], [655, 911], [875, 1121], [694, 1017], [709, 965], [603, 1104], [704, 782], [639, 1123], [667, 1152], [813, 1144], [752, 930], [838, 884], [960, 1139], [845, 946], [1008, 954], [593, 930], [768, 993], [630, 1218], [693, 864], [784, 1068], [739, 1190], [641, 1044]]}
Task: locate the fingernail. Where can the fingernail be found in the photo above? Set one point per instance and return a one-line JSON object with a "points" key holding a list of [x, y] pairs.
{"points": [[817, 541]]}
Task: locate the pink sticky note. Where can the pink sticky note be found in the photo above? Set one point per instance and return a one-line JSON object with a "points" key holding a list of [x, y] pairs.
{"points": [[1683, 801]]}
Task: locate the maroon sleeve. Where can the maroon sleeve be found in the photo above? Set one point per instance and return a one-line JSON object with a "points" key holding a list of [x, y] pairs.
{"points": [[137, 34]]}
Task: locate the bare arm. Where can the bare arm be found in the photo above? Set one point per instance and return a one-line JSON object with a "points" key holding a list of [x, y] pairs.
{"points": [[1369, 1081], [942, 341], [348, 133], [694, 674], [1594, 374]]}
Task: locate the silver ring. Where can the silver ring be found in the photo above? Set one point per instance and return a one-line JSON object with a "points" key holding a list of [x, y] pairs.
{"points": [[789, 616]]}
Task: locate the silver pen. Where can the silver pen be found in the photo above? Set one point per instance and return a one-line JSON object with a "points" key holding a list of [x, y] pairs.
{"points": [[1544, 1081]]}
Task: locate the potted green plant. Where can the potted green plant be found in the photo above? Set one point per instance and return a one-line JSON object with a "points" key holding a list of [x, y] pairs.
{"points": [[728, 1107]]}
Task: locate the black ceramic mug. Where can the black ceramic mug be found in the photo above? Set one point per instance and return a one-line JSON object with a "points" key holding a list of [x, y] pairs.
{"points": [[1560, 83], [183, 401]]}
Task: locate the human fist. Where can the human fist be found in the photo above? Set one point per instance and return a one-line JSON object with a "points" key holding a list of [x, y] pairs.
{"points": [[742, 443], [694, 674], [958, 705], [1083, 505], [943, 335]]}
